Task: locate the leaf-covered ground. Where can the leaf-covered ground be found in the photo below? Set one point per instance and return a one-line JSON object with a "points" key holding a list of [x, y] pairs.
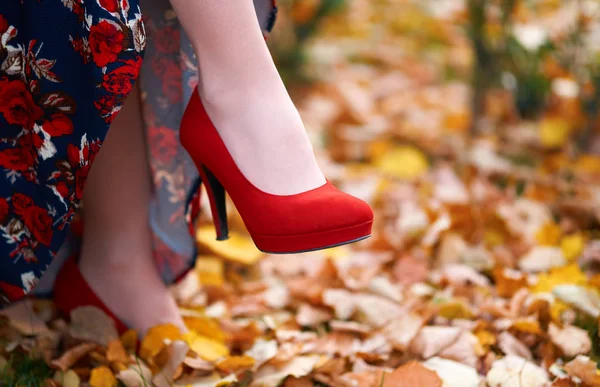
{"points": [[483, 268]]}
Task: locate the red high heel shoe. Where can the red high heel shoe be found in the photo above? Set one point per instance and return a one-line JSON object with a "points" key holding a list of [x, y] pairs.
{"points": [[72, 291], [320, 218]]}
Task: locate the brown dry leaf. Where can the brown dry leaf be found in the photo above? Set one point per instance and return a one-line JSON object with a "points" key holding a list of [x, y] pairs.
{"points": [[269, 376], [585, 369], [409, 270], [115, 352], [72, 356], [311, 316], [510, 345], [154, 341], [21, 315], [102, 377], [400, 332], [177, 352], [262, 351], [571, 340], [198, 364], [235, 364], [432, 340], [89, 323], [412, 374], [513, 371], [508, 281]]}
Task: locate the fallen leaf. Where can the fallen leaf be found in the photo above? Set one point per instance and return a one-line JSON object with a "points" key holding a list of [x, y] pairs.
{"points": [[67, 378], [72, 356], [269, 376], [177, 352], [548, 235], [583, 368], [572, 246], [21, 315], [210, 270], [432, 340], [453, 374], [514, 371], [542, 258], [102, 377], [412, 374], [137, 375], [566, 275], [510, 345], [205, 326], [129, 339], [571, 340], [154, 341], [310, 316], [238, 248], [584, 299], [205, 347], [89, 323], [262, 351], [235, 364], [554, 131], [403, 162], [115, 352]]}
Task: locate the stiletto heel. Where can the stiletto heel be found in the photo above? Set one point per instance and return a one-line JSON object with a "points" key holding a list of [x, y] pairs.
{"points": [[320, 218], [216, 196]]}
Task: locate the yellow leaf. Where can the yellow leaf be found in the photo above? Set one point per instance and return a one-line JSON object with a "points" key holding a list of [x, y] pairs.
{"points": [[235, 364], [238, 248], [205, 347], [548, 235], [205, 326], [486, 338], [554, 131], [556, 310], [569, 274], [210, 270], [403, 162], [154, 342], [455, 309], [527, 326], [572, 246], [102, 377], [493, 237]]}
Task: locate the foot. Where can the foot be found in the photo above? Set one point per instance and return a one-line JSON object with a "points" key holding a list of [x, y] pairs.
{"points": [[131, 288], [264, 134]]}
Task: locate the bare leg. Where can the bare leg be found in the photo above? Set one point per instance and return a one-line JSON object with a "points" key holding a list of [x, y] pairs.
{"points": [[116, 257], [245, 96]]}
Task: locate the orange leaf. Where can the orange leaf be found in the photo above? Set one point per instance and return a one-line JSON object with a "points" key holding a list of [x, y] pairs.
{"points": [[235, 364], [102, 377], [129, 340], [154, 342], [115, 352], [412, 374]]}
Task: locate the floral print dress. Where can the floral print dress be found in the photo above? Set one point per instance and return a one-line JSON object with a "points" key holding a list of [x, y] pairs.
{"points": [[66, 67]]}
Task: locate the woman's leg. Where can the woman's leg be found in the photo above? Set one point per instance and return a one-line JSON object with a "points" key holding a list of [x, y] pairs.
{"points": [[245, 96], [116, 256]]}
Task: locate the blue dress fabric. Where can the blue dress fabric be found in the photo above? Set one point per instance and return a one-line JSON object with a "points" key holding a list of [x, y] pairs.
{"points": [[66, 67]]}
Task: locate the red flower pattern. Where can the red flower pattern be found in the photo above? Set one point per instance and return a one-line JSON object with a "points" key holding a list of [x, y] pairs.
{"points": [[17, 104], [106, 42]]}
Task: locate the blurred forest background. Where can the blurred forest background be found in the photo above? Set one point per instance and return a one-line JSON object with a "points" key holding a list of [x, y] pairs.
{"points": [[472, 127]]}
